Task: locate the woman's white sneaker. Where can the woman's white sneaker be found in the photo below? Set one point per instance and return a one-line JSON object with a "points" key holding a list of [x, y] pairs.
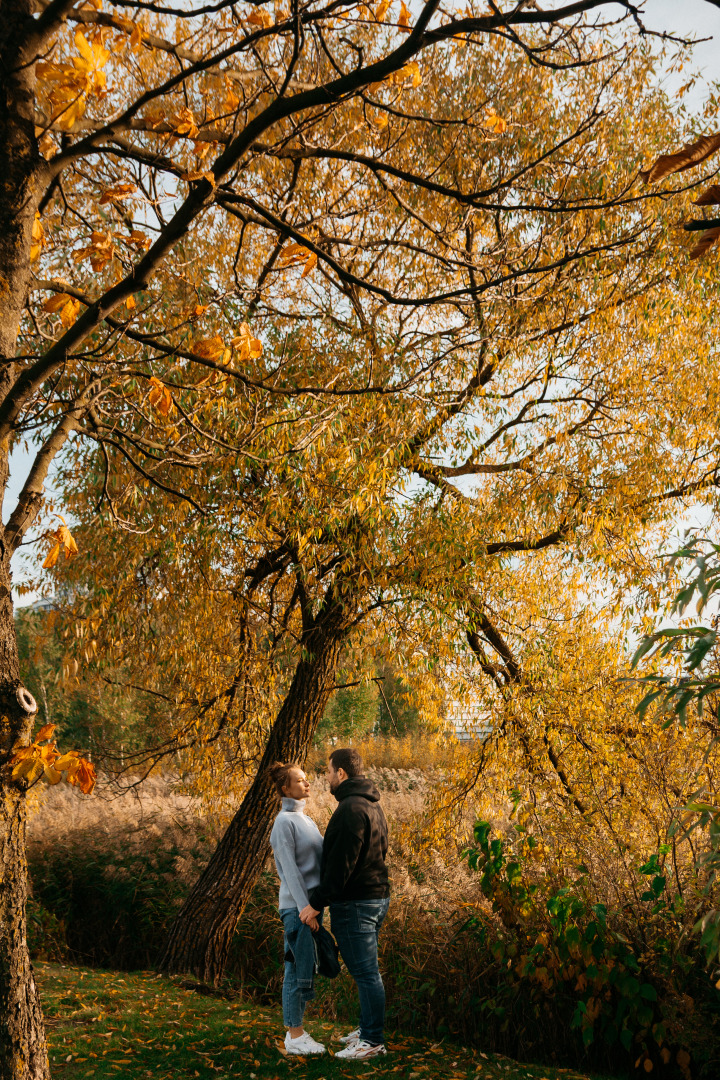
{"points": [[303, 1044], [360, 1051], [345, 1039]]}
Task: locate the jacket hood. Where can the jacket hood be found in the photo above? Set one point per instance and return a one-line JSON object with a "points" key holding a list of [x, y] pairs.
{"points": [[357, 785]]}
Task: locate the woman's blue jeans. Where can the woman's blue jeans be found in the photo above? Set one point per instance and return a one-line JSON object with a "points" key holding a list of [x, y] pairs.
{"points": [[294, 997], [356, 926]]}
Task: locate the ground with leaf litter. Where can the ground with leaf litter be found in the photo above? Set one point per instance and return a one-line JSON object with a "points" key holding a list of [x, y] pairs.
{"points": [[140, 1025]]}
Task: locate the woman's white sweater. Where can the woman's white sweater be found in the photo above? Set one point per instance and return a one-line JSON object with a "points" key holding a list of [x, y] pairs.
{"points": [[297, 843]]}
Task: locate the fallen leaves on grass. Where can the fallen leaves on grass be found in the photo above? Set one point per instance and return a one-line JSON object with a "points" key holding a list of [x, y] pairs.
{"points": [[103, 1024]]}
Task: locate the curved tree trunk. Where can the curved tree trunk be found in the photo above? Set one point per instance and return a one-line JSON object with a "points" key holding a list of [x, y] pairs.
{"points": [[199, 940], [23, 1051]]}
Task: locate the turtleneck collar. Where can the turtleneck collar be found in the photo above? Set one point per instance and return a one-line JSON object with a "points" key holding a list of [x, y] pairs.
{"points": [[294, 806]]}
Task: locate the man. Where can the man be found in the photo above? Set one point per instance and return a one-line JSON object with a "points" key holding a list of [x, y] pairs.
{"points": [[354, 883]]}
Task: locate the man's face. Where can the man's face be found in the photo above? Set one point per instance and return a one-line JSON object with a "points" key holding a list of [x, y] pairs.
{"points": [[334, 778]]}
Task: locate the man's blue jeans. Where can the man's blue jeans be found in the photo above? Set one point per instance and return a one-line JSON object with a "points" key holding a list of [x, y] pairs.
{"points": [[294, 997], [356, 926]]}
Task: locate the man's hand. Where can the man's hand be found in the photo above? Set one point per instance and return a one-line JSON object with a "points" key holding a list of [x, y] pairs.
{"points": [[309, 915]]}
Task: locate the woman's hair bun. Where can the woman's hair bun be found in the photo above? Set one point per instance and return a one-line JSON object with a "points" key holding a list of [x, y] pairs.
{"points": [[279, 774]]}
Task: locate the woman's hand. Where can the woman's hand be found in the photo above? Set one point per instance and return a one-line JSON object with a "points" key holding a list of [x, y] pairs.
{"points": [[309, 914]]}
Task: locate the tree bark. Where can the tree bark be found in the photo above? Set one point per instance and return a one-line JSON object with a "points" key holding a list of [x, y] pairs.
{"points": [[23, 1050], [200, 938]]}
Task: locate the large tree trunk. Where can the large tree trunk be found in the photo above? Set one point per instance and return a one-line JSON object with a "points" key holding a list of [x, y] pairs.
{"points": [[23, 1051], [199, 941]]}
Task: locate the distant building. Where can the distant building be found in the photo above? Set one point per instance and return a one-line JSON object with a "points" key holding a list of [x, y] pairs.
{"points": [[468, 723], [44, 604]]}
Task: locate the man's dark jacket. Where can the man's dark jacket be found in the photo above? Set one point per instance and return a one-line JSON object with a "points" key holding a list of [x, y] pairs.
{"points": [[354, 849]]}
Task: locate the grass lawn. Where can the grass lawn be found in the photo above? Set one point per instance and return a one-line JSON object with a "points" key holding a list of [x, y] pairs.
{"points": [[139, 1025]]}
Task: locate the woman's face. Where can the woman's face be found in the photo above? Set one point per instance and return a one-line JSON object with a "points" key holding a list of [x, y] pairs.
{"points": [[297, 786]]}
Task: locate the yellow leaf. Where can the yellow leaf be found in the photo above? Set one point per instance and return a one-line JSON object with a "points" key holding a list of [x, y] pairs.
{"points": [[81, 774], [248, 347], [56, 302], [404, 19], [30, 769], [209, 348], [64, 762], [381, 10], [294, 250], [160, 397], [65, 538], [295, 255], [68, 307], [52, 557], [411, 69], [130, 303], [495, 123], [67, 112], [100, 251], [49, 753], [69, 312], [83, 47], [310, 264], [136, 38], [231, 99], [184, 123], [51, 775], [117, 193], [45, 732], [416, 76], [260, 18], [200, 174], [139, 240], [24, 752], [38, 238], [92, 57]]}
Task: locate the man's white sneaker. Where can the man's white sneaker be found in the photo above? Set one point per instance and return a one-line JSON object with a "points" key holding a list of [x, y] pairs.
{"points": [[303, 1044], [360, 1051], [345, 1039]]}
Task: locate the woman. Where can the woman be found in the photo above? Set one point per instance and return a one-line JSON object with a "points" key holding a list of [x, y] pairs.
{"points": [[297, 846]]}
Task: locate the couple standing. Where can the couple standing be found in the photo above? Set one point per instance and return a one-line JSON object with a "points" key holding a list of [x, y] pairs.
{"points": [[345, 872]]}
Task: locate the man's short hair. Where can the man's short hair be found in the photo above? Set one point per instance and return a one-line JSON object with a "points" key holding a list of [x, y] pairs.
{"points": [[347, 758]]}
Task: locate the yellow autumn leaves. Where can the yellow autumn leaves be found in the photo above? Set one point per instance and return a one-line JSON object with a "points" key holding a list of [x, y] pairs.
{"points": [[245, 346], [160, 397], [75, 82], [36, 762], [379, 15], [61, 541], [67, 307], [298, 255]]}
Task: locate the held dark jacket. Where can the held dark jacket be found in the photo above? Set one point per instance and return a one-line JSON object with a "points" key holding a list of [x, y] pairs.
{"points": [[312, 953], [354, 849]]}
